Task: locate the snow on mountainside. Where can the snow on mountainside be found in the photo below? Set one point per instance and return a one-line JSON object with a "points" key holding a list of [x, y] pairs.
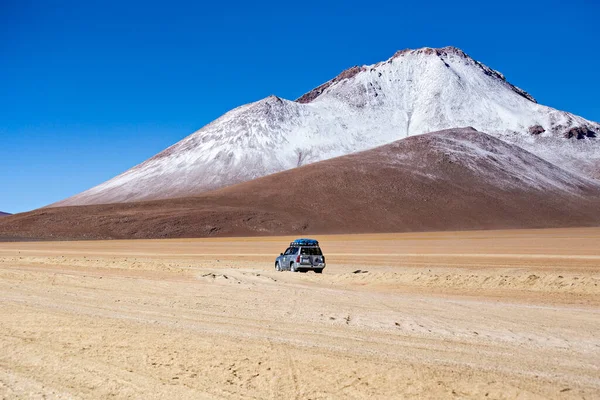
{"points": [[414, 92]]}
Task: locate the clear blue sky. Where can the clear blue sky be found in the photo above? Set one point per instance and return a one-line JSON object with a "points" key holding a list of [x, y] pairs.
{"points": [[90, 88]]}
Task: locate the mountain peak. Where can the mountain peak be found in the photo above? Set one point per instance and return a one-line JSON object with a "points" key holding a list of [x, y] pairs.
{"points": [[432, 51], [448, 56]]}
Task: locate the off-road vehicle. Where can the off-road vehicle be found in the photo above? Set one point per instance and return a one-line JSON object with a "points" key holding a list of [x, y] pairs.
{"points": [[303, 255]]}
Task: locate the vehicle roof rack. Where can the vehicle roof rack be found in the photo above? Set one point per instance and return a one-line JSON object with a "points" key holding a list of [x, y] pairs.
{"points": [[304, 242]]}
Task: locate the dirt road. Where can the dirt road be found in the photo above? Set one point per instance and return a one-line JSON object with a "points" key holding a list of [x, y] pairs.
{"points": [[496, 314]]}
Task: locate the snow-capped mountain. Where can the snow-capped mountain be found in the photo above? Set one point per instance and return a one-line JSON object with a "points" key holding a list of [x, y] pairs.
{"points": [[414, 92]]}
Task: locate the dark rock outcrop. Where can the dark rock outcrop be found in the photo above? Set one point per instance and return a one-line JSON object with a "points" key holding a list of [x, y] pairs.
{"points": [[580, 132], [536, 129]]}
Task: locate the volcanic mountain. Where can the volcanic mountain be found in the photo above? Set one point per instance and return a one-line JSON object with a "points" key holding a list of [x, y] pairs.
{"points": [[413, 92], [449, 180]]}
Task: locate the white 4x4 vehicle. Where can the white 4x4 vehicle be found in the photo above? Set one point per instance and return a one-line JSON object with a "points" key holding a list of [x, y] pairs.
{"points": [[303, 255]]}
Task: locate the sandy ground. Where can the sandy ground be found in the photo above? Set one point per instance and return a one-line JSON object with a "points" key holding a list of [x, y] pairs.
{"points": [[497, 314]]}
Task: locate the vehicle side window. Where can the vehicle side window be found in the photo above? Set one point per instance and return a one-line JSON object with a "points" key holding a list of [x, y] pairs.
{"points": [[293, 251], [287, 251]]}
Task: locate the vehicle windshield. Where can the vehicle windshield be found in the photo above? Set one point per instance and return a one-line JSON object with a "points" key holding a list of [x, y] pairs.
{"points": [[311, 251]]}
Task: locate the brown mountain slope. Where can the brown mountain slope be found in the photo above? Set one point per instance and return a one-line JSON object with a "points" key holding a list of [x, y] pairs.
{"points": [[455, 179]]}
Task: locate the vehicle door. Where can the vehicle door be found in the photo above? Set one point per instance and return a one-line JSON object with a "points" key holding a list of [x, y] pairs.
{"points": [[292, 256], [285, 258]]}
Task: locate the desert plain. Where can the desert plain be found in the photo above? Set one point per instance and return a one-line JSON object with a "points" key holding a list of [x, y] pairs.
{"points": [[480, 314]]}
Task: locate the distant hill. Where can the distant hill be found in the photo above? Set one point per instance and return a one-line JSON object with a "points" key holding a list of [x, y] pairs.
{"points": [[458, 179], [3, 214]]}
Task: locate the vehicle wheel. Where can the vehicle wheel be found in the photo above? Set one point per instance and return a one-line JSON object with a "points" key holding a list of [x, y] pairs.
{"points": [[293, 267], [319, 271], [277, 266]]}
